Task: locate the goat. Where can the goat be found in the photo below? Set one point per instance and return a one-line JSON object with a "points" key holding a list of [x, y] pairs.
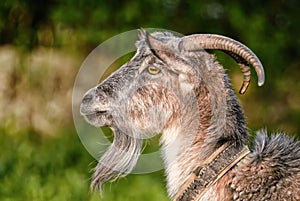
{"points": [[174, 87]]}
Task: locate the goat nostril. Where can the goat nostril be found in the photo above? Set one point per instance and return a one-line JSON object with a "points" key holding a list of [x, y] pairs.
{"points": [[87, 98]]}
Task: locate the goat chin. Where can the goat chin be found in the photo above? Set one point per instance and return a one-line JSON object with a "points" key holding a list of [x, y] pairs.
{"points": [[118, 160]]}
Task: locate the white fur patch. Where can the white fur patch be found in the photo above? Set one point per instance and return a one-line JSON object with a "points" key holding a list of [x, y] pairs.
{"points": [[184, 84], [172, 142]]}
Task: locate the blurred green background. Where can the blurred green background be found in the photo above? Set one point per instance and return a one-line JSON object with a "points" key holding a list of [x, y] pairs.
{"points": [[43, 43]]}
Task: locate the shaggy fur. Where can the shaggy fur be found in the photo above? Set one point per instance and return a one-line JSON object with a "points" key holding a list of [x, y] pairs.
{"points": [[186, 96]]}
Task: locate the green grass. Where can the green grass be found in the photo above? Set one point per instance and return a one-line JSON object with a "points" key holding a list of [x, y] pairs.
{"points": [[37, 168]]}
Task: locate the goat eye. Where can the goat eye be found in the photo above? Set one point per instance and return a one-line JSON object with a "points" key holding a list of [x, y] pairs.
{"points": [[153, 70]]}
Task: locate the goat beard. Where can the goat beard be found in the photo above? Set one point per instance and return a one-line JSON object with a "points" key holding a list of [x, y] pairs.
{"points": [[118, 160]]}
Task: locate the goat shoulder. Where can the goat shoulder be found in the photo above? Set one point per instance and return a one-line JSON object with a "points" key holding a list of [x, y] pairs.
{"points": [[270, 172]]}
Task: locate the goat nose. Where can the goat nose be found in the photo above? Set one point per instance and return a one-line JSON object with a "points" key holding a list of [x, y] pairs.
{"points": [[87, 98]]}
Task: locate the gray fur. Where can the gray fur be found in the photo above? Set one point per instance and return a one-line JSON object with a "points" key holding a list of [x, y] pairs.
{"points": [[191, 102]]}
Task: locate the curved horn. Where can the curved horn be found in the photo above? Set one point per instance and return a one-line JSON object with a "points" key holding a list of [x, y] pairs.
{"points": [[245, 68], [239, 52]]}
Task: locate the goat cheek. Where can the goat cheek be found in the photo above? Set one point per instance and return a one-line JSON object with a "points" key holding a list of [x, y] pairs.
{"points": [[153, 108], [138, 114]]}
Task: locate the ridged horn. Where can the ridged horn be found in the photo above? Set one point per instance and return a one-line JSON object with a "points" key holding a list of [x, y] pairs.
{"points": [[239, 52]]}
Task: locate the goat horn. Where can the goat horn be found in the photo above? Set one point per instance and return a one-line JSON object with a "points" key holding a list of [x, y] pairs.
{"points": [[239, 52]]}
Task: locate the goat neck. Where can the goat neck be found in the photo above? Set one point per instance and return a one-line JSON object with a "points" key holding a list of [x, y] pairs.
{"points": [[211, 117]]}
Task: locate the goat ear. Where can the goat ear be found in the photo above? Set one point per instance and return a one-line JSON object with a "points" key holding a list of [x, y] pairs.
{"points": [[161, 49], [168, 54], [158, 47], [153, 43], [141, 33]]}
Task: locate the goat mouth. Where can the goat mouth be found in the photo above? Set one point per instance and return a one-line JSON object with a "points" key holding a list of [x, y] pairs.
{"points": [[98, 118], [95, 114]]}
